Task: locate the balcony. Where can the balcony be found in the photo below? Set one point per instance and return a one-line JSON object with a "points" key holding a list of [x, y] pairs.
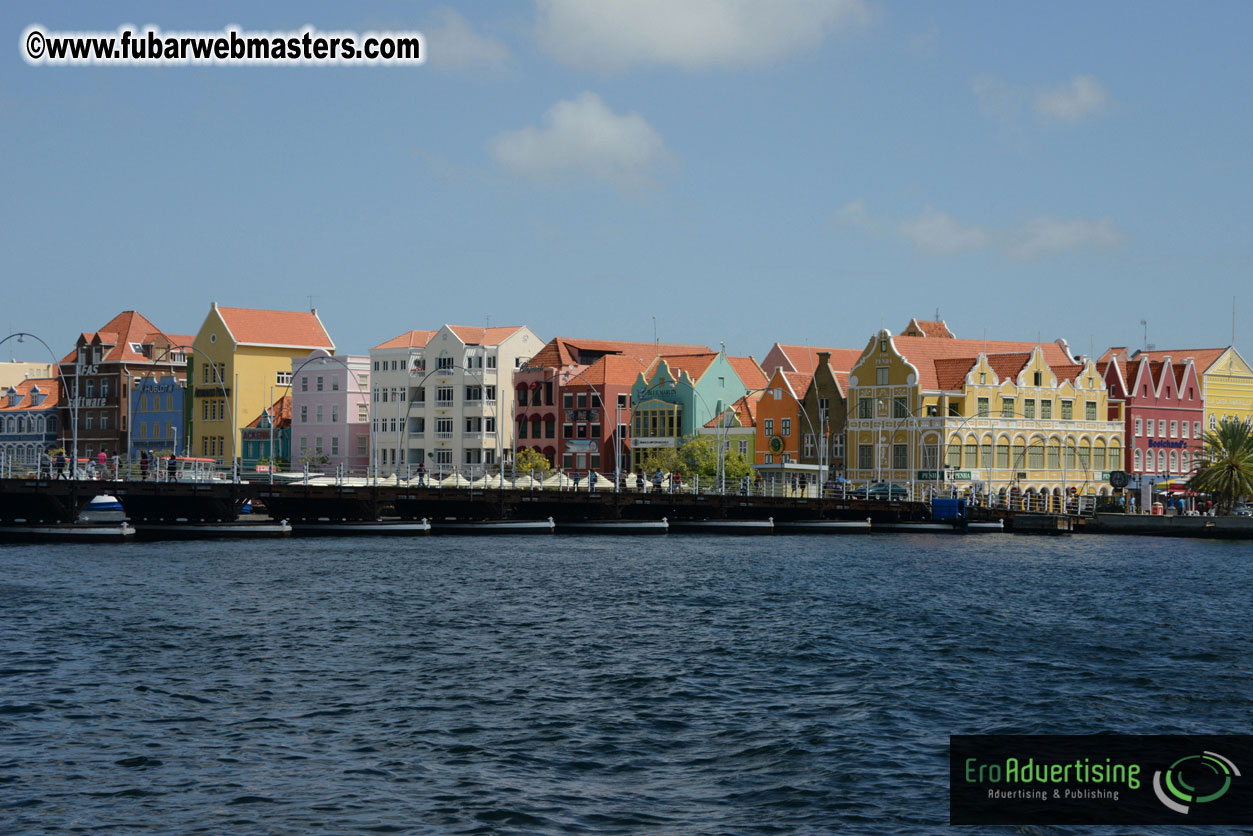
{"points": [[417, 433], [443, 435]]}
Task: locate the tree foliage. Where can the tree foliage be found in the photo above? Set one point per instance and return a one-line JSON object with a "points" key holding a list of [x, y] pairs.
{"points": [[1225, 469], [697, 457], [527, 460]]}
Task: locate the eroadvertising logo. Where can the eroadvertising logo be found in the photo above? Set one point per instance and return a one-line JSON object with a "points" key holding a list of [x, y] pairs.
{"points": [[1100, 779]]}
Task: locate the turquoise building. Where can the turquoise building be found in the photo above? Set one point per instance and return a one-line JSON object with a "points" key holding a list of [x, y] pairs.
{"points": [[680, 393]]}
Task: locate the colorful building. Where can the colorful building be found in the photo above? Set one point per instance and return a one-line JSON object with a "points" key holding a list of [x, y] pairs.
{"points": [[242, 359], [824, 402], [992, 416], [1163, 412], [330, 405], [446, 398], [157, 410], [29, 423], [780, 427], [736, 428], [681, 393], [268, 436], [101, 372], [574, 400], [1226, 381]]}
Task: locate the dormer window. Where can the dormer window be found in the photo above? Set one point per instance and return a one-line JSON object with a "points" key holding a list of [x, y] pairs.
{"points": [[1038, 379], [13, 396]]}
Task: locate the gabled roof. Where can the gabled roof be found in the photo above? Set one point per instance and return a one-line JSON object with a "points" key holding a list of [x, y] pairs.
{"points": [[798, 382], [804, 358], [935, 329], [1202, 358], [745, 411], [749, 372], [694, 364], [280, 409], [565, 351], [612, 369], [120, 332], [950, 372], [286, 329], [46, 386], [409, 339], [923, 352], [473, 335]]}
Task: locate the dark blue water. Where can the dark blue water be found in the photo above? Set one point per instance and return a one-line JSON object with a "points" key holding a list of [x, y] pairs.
{"points": [[673, 685]]}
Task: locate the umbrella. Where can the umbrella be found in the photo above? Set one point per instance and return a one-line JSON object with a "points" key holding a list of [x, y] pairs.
{"points": [[454, 480]]}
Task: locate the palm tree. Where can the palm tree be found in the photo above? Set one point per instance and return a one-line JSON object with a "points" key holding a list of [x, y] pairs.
{"points": [[1225, 469]]}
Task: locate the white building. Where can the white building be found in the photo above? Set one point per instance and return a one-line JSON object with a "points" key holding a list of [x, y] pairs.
{"points": [[446, 398]]}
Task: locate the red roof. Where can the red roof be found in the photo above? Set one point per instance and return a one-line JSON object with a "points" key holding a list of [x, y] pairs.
{"points": [[471, 335], [750, 373], [47, 386], [280, 409], [612, 369], [923, 352], [409, 339], [565, 351], [935, 329], [118, 334], [694, 364], [745, 409], [799, 381], [1202, 358], [804, 358], [289, 329]]}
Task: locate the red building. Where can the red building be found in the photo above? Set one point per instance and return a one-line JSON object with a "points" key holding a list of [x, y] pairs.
{"points": [[1164, 411], [574, 400]]}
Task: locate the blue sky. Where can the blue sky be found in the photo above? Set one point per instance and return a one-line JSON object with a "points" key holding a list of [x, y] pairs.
{"points": [[749, 173]]}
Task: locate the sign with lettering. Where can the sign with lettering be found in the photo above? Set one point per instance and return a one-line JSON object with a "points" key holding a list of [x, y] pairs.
{"points": [[1164, 443], [652, 443]]}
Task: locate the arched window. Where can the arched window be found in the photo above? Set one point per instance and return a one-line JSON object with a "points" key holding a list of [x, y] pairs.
{"points": [[1183, 462], [1161, 461], [1174, 461], [1139, 460]]}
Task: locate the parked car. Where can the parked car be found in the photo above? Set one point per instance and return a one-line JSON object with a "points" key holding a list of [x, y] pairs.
{"points": [[1242, 511], [885, 490]]}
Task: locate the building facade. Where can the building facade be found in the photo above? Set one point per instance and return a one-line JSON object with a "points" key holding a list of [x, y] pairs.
{"points": [[330, 405], [1164, 413], [446, 398], [241, 362], [157, 415], [266, 441], [101, 372], [574, 400], [681, 393], [993, 417], [1226, 381], [780, 428], [29, 423]]}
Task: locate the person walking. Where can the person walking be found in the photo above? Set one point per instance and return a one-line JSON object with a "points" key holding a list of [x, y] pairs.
{"points": [[61, 465], [102, 463], [171, 469], [143, 465], [422, 474]]}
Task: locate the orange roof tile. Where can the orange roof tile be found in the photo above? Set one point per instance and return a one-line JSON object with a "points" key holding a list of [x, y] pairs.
{"points": [[805, 357], [473, 335], [799, 381], [750, 373], [950, 372], [745, 410], [47, 386], [565, 351], [1202, 358], [612, 369], [280, 409], [409, 339], [934, 329], [289, 329], [120, 332], [922, 352], [694, 364]]}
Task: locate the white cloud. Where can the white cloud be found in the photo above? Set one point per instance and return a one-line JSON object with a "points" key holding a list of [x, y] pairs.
{"points": [[582, 137], [1072, 102], [1049, 236], [691, 34], [939, 232], [1083, 96], [454, 45], [854, 214]]}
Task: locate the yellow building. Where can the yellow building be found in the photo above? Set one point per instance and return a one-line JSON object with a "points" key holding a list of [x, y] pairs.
{"points": [[240, 364], [996, 417], [1226, 381]]}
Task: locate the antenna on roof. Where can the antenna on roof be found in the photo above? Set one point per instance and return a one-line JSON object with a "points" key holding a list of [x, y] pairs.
{"points": [[937, 318], [1145, 323], [1233, 325], [655, 343]]}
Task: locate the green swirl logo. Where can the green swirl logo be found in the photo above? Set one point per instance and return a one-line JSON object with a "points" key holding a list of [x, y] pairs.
{"points": [[1194, 779]]}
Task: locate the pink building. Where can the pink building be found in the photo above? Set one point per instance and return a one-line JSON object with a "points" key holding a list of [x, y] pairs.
{"points": [[331, 413], [1164, 411]]}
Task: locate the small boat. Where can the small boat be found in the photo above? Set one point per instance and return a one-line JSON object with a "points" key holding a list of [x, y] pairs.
{"points": [[823, 527], [103, 508], [985, 527], [68, 533], [494, 526], [363, 527], [218, 530], [765, 526], [660, 526], [920, 527]]}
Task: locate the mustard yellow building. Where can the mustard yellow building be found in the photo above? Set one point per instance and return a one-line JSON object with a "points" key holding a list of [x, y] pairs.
{"points": [[996, 417], [1226, 381], [240, 364]]}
